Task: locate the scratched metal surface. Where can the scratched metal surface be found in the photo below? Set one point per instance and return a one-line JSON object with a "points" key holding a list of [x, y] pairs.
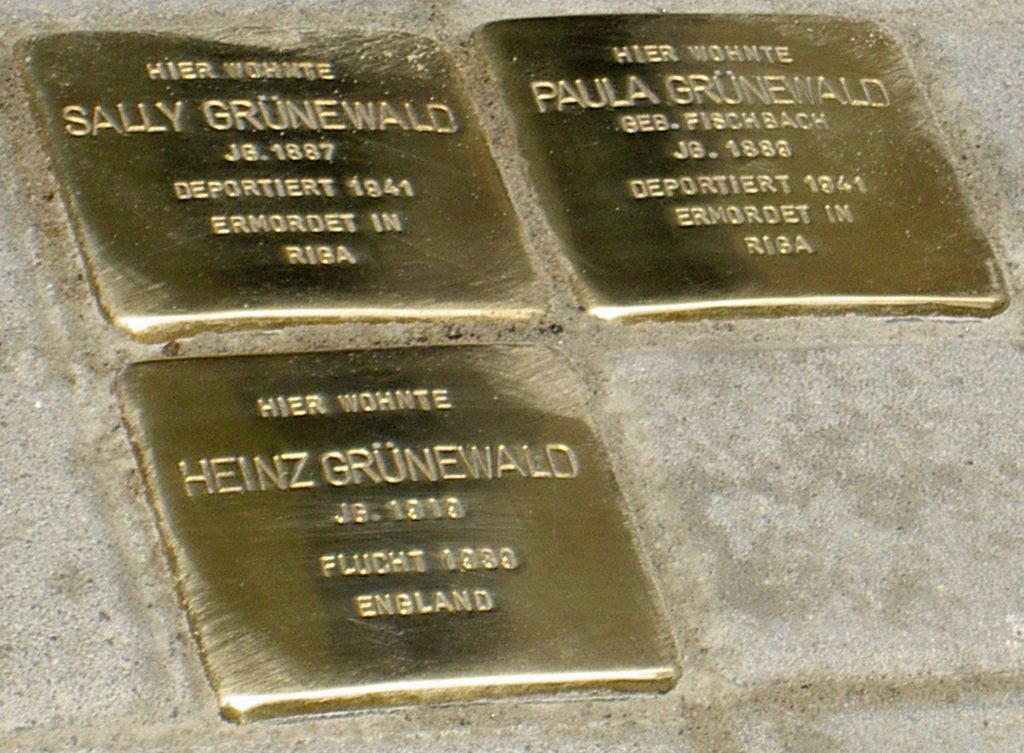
{"points": [[326, 512], [829, 505], [837, 197], [176, 185]]}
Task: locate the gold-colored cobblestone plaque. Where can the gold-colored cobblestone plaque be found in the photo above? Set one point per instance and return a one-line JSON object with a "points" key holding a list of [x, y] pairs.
{"points": [[217, 184], [756, 164], [363, 528]]}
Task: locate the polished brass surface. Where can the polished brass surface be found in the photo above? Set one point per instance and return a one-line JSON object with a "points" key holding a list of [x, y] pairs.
{"points": [[363, 528], [226, 185], [753, 164]]}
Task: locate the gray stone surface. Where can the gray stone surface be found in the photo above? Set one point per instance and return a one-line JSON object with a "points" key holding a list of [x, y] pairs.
{"points": [[853, 512], [830, 507], [988, 723], [77, 644]]}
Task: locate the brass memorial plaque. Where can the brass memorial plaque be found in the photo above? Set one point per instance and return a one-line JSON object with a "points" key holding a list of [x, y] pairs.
{"points": [[364, 528], [766, 164], [220, 184]]}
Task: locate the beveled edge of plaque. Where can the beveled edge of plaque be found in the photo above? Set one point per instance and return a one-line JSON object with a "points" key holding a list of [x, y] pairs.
{"points": [[242, 708], [989, 303], [157, 328], [980, 305]]}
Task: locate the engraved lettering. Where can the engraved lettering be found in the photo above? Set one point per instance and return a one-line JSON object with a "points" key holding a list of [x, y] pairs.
{"points": [[373, 562], [189, 477], [75, 121], [645, 53], [285, 406], [704, 215], [259, 187], [381, 463], [729, 88], [777, 245], [708, 185], [124, 118], [224, 475], [405, 399], [563, 460], [284, 114], [410, 603], [447, 459], [595, 93], [179, 70], [740, 53], [319, 255], [314, 223], [309, 70]]}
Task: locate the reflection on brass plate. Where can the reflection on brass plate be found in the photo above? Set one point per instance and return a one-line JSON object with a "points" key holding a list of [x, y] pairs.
{"points": [[224, 184], [365, 528], [772, 164]]}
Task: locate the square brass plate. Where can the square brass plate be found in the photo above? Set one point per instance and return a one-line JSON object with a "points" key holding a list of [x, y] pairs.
{"points": [[228, 184], [363, 528], [756, 164]]}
